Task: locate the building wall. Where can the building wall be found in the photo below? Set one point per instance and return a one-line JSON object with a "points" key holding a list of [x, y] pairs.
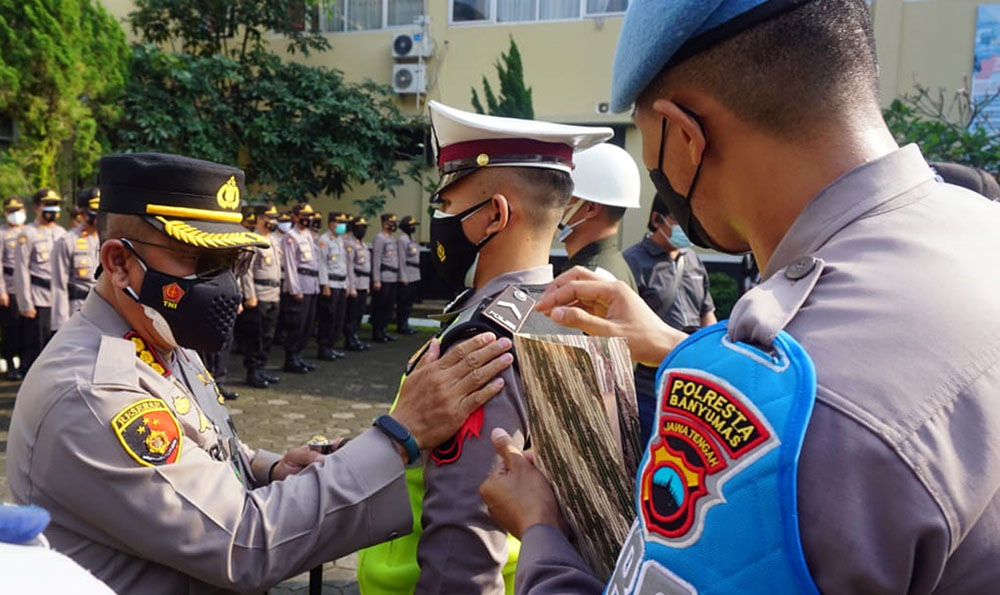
{"points": [[568, 66]]}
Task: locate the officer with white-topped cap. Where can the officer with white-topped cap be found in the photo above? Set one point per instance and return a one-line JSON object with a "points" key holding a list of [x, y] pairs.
{"points": [[605, 184], [840, 433], [504, 186]]}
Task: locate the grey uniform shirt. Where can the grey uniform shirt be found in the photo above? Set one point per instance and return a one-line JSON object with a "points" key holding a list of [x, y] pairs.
{"points": [[8, 257], [34, 259], [74, 261], [301, 262], [386, 262], [190, 525], [409, 254], [332, 261], [461, 549], [899, 475], [362, 270], [654, 272], [263, 280]]}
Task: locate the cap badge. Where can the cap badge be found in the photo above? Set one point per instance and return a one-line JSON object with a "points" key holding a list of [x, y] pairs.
{"points": [[229, 194], [482, 160], [172, 294]]}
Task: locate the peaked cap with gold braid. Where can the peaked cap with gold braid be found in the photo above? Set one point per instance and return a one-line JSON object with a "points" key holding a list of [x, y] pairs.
{"points": [[194, 202]]}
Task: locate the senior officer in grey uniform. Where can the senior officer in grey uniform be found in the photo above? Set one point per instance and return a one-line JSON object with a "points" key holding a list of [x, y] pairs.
{"points": [[10, 317], [119, 434], [673, 282], [333, 283], [261, 289], [75, 259], [504, 185], [898, 483], [299, 287], [33, 274], [359, 275], [605, 184], [408, 292], [386, 266]]}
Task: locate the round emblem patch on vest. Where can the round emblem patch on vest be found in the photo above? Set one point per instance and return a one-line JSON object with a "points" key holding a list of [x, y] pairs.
{"points": [[707, 432], [149, 432]]}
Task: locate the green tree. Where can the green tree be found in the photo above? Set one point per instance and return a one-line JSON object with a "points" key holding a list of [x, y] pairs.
{"points": [[63, 64], [942, 124], [298, 131], [514, 100]]}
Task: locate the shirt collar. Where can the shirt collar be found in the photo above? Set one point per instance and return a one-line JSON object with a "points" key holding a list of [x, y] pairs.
{"points": [[865, 188], [534, 276], [101, 314]]}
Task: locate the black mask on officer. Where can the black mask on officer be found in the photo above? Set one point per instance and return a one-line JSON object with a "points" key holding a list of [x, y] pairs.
{"points": [[360, 231], [50, 214], [679, 204], [271, 225], [454, 252], [198, 312]]}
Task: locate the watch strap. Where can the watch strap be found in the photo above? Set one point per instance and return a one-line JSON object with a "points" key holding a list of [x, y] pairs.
{"points": [[398, 433]]}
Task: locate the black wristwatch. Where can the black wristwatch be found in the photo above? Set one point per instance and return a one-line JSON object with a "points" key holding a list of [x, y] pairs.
{"points": [[397, 432]]}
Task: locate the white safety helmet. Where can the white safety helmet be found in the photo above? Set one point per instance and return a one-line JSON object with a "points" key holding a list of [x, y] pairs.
{"points": [[606, 174]]}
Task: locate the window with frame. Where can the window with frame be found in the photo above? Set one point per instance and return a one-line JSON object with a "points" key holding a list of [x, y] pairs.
{"points": [[339, 16], [529, 11]]}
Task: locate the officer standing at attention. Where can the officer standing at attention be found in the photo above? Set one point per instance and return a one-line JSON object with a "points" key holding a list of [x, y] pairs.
{"points": [[75, 259], [605, 183], [261, 289], [854, 406], [117, 431], [333, 287], [33, 274], [300, 286], [673, 282], [409, 290], [386, 265], [11, 322], [504, 184], [359, 274]]}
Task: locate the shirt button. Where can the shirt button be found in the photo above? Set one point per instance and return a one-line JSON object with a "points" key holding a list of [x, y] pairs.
{"points": [[800, 268], [394, 535]]}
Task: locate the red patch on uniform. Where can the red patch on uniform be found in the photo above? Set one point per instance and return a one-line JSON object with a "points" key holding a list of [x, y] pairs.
{"points": [[172, 294], [451, 450]]}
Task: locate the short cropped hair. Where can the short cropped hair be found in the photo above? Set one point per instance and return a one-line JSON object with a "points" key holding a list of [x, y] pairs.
{"points": [[785, 74]]}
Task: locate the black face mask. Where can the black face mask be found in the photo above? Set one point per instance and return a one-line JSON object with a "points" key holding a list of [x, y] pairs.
{"points": [[359, 232], [408, 229], [199, 312], [679, 204], [392, 227], [453, 251], [49, 216], [91, 218], [271, 225]]}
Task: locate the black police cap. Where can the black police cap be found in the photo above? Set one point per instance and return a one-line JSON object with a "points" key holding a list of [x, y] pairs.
{"points": [[194, 202], [89, 198]]}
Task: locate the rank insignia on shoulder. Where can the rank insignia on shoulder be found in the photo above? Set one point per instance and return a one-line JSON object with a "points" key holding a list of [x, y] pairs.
{"points": [[147, 354], [149, 432], [510, 309]]}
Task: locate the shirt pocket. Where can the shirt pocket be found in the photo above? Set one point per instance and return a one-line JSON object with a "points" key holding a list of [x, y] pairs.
{"points": [[82, 265], [42, 252]]}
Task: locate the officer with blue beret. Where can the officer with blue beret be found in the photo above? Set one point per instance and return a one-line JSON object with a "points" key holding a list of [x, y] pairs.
{"points": [[839, 432]]}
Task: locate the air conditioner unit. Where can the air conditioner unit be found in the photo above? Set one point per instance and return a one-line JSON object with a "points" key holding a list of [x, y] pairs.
{"points": [[408, 78], [412, 44]]}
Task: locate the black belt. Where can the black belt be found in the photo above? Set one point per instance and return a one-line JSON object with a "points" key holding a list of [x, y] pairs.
{"points": [[77, 293], [266, 283], [43, 283], [309, 272], [337, 277], [8, 271], [390, 269], [367, 273]]}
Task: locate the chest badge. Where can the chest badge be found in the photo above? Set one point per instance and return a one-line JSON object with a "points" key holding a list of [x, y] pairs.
{"points": [[182, 404]]}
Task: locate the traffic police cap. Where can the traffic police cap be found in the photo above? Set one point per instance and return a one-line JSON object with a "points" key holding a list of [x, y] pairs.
{"points": [[12, 203], [409, 221], [266, 210], [46, 197], [338, 217], [388, 218], [607, 175], [192, 201], [303, 209], [465, 142], [658, 34], [360, 221]]}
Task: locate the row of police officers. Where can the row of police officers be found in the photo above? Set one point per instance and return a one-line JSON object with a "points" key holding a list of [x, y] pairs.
{"points": [[47, 272]]}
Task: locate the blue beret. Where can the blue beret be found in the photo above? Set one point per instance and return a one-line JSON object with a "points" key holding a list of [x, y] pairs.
{"points": [[660, 33]]}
